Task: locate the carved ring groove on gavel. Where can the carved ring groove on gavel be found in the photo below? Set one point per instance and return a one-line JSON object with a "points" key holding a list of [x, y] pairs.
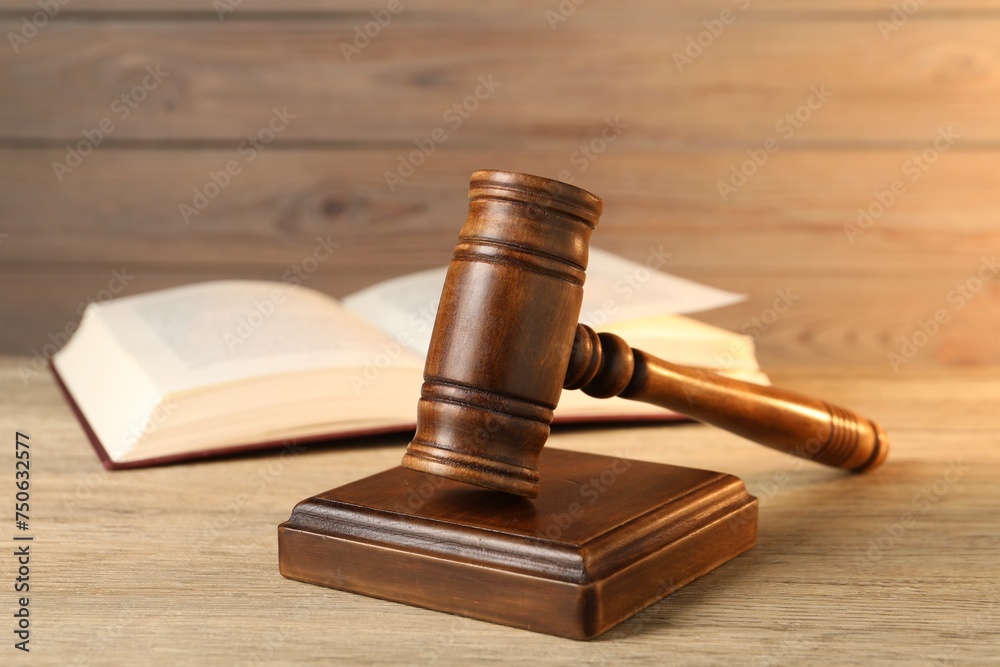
{"points": [[506, 342]]}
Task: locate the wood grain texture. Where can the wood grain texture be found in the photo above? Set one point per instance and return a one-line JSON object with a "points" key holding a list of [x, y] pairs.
{"points": [[325, 174], [123, 205], [224, 78], [167, 565], [604, 365], [279, 8], [784, 231], [506, 340], [605, 538], [503, 333]]}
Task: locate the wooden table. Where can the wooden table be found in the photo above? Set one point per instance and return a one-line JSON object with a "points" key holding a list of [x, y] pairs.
{"points": [[898, 566]]}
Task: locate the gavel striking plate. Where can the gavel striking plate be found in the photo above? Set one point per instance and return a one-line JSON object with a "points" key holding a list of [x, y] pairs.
{"points": [[481, 520]]}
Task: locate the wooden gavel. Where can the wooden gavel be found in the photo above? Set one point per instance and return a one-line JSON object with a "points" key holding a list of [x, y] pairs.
{"points": [[506, 342]]}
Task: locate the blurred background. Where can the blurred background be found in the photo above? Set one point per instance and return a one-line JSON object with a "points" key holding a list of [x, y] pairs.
{"points": [[841, 152]]}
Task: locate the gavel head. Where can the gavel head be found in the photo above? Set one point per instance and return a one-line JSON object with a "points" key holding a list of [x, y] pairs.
{"points": [[504, 331]]}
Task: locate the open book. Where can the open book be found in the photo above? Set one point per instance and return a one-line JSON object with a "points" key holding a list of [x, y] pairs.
{"points": [[236, 365]]}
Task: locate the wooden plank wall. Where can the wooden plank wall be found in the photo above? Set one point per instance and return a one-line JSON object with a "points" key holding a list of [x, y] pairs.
{"points": [[846, 100]]}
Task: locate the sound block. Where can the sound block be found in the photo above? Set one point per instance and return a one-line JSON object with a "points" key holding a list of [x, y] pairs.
{"points": [[605, 538]]}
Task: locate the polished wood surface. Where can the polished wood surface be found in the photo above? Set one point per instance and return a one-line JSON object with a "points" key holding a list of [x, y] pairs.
{"points": [[606, 537], [179, 564], [506, 341], [603, 365], [324, 174], [504, 329]]}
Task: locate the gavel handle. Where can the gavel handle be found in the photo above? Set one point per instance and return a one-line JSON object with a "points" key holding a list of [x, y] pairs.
{"points": [[603, 365]]}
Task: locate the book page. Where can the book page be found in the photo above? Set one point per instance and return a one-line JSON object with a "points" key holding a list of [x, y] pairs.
{"points": [[402, 308], [209, 333], [682, 340], [616, 290]]}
